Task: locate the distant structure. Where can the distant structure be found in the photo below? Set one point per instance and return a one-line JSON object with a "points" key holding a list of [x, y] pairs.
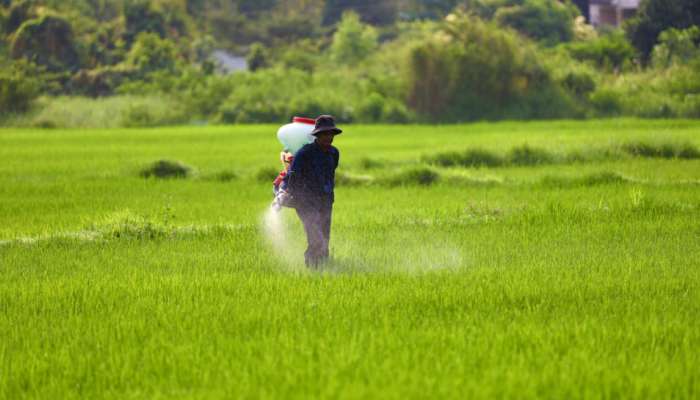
{"points": [[607, 12], [229, 63]]}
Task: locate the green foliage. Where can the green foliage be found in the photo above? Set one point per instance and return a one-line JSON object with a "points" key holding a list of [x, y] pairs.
{"points": [[20, 84], [366, 68], [655, 93], [19, 12], [258, 57], [609, 51], [353, 41], [580, 83], [273, 95], [676, 47], [470, 69], [372, 11], [140, 17], [303, 55], [101, 81], [151, 53], [656, 16], [548, 21], [47, 41], [606, 102]]}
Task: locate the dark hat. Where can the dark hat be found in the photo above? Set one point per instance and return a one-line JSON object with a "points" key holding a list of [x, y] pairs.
{"points": [[325, 123]]}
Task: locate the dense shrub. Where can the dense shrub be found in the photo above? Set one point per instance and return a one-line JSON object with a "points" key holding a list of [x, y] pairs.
{"points": [[140, 17], [471, 70], [653, 93], [579, 83], [273, 95], [102, 81], [258, 57], [353, 41], [548, 21], [656, 16], [610, 51], [606, 102], [151, 53], [677, 46], [19, 86]]}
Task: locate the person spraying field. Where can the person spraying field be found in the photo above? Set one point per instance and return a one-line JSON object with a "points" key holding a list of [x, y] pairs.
{"points": [[293, 137], [307, 183]]}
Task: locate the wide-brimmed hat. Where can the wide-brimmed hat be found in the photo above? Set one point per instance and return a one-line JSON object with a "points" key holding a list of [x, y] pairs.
{"points": [[326, 123]]}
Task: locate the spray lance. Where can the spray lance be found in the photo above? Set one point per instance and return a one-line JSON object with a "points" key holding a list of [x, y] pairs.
{"points": [[293, 137]]}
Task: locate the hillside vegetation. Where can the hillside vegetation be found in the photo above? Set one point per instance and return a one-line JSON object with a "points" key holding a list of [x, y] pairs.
{"points": [[362, 61]]}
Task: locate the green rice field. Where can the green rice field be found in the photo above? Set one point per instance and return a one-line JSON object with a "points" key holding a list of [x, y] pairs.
{"points": [[556, 260]]}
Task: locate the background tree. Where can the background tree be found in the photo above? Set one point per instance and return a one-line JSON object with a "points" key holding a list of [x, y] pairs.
{"points": [[258, 57], [140, 17], [470, 69], [372, 11], [548, 21], [47, 41], [677, 46], [656, 16], [151, 53], [20, 84], [353, 41], [19, 12]]}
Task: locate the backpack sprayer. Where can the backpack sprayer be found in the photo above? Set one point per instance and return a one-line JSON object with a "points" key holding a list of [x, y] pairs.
{"points": [[293, 137]]}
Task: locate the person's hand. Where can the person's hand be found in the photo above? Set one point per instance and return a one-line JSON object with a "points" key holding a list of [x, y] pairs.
{"points": [[282, 199]]}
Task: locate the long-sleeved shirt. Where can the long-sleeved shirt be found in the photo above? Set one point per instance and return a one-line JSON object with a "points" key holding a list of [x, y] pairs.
{"points": [[311, 178]]}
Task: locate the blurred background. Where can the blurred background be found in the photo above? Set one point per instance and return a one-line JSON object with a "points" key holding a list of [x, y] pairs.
{"points": [[127, 63]]}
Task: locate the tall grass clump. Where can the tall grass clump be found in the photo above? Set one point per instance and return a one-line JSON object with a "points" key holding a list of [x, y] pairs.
{"points": [[129, 225], [469, 158], [423, 176], [593, 179], [684, 150], [526, 155], [222, 176], [370, 163], [348, 179], [266, 174], [165, 169]]}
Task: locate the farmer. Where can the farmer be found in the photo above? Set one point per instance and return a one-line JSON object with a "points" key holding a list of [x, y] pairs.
{"points": [[310, 183]]}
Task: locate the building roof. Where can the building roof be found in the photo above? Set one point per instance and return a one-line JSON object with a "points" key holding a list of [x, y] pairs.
{"points": [[617, 3]]}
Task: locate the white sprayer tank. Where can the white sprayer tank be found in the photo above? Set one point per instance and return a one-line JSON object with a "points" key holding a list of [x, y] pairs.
{"points": [[295, 135]]}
